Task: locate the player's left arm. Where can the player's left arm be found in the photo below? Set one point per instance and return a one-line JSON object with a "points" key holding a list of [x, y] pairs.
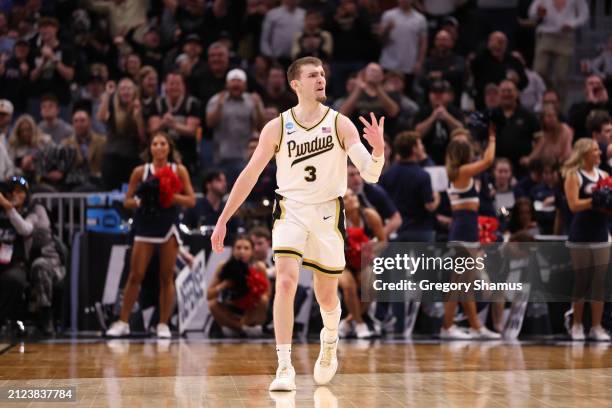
{"points": [[369, 165]]}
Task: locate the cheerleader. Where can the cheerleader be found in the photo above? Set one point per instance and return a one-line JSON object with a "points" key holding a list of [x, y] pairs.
{"points": [[239, 292], [588, 236], [156, 191], [463, 194]]}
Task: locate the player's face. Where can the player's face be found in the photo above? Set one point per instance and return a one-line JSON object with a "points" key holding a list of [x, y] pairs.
{"points": [[160, 148], [311, 84], [243, 250]]}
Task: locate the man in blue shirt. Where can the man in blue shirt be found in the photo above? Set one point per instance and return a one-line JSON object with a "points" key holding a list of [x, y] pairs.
{"points": [[409, 186]]}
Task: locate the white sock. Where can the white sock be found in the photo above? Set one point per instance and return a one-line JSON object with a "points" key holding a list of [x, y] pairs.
{"points": [[283, 351], [331, 320]]}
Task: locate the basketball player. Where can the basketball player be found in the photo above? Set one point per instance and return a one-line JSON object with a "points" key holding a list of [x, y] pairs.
{"points": [[311, 143]]}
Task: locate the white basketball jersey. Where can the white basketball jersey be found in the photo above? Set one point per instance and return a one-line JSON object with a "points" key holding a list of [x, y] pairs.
{"points": [[311, 162]]}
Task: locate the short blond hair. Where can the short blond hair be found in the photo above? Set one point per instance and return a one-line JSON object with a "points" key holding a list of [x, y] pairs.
{"points": [[294, 70]]}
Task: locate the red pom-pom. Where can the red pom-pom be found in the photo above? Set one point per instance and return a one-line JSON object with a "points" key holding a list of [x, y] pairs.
{"points": [[487, 228], [356, 239], [257, 284], [603, 183], [169, 185]]}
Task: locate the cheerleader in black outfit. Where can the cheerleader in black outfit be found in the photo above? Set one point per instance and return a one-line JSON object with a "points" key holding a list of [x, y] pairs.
{"points": [[154, 225], [463, 194], [588, 236]]}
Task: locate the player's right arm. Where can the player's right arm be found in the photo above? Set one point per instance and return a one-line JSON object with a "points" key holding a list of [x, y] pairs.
{"points": [[268, 143]]}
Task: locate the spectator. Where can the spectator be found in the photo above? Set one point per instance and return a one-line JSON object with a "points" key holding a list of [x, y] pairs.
{"points": [[528, 182], [86, 173], [150, 51], [493, 64], [596, 99], [208, 208], [555, 41], [121, 111], [522, 217], [208, 83], [92, 94], [6, 117], [602, 64], [503, 186], [122, 15], [53, 66], [207, 19], [233, 114], [234, 304], [312, 41], [178, 114], [52, 124], [394, 84], [544, 198], [515, 127], [409, 186], [276, 93], [374, 196], [445, 64], [265, 186], [531, 96], [362, 226], [280, 26], [190, 63], [369, 95], [554, 142], [212, 79], [6, 41], [15, 76], [404, 36], [353, 42], [599, 126], [24, 145], [149, 91], [262, 246], [438, 120], [131, 66]]}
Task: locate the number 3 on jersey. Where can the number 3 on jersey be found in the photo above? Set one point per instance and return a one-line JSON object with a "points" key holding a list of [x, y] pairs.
{"points": [[312, 173]]}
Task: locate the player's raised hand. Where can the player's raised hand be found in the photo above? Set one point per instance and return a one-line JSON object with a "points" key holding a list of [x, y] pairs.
{"points": [[217, 238], [374, 133]]}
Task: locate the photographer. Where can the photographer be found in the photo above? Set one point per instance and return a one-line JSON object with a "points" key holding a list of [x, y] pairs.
{"points": [[26, 234], [239, 292]]}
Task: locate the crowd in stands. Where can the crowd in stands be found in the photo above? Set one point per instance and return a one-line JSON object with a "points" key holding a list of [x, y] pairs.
{"points": [[83, 85]]}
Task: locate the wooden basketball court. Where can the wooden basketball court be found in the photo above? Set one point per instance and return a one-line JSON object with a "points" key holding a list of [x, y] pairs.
{"points": [[204, 373]]}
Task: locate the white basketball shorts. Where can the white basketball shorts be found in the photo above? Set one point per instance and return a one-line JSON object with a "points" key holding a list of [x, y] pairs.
{"points": [[312, 233]]}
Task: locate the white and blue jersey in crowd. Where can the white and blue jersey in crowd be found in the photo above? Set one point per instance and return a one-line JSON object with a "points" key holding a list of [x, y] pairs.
{"points": [[158, 228], [589, 227], [464, 227]]}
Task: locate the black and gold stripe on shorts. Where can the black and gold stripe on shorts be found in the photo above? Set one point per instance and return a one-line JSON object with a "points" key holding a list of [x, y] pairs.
{"points": [[278, 212], [317, 267], [340, 219], [288, 252]]}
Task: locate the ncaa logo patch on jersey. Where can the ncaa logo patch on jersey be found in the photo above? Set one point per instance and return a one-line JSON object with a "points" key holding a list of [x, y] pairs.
{"points": [[288, 125]]}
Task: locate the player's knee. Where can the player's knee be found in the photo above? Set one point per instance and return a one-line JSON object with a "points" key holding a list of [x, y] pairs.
{"points": [[286, 283]]}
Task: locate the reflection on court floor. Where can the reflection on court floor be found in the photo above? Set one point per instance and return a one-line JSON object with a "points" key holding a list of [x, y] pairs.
{"points": [[123, 373]]}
